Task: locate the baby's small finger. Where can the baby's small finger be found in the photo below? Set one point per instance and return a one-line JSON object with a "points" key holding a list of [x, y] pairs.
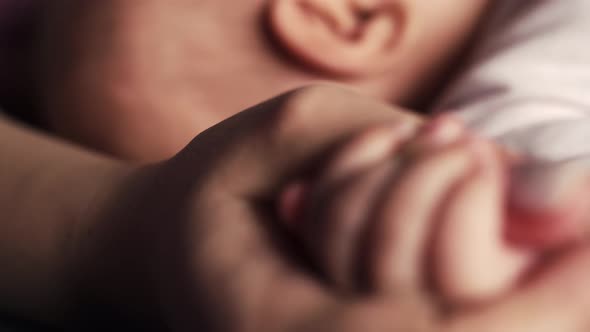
{"points": [[375, 145], [335, 225], [472, 262], [405, 217]]}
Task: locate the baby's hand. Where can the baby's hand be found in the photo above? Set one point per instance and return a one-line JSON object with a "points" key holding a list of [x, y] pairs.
{"points": [[435, 218]]}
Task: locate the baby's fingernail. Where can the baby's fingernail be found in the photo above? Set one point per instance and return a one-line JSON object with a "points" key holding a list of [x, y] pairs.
{"points": [[405, 129], [444, 130], [375, 146], [391, 137]]}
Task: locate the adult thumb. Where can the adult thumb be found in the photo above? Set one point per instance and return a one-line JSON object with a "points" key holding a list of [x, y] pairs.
{"points": [[260, 148]]}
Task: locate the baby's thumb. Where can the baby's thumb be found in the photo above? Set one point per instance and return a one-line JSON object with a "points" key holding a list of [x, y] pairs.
{"points": [[255, 151], [547, 204]]}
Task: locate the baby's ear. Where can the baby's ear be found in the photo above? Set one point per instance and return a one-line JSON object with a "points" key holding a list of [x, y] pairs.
{"points": [[342, 37]]}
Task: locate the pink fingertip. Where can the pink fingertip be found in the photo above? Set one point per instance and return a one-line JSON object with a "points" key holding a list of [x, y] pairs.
{"points": [[292, 204], [444, 130], [547, 229]]}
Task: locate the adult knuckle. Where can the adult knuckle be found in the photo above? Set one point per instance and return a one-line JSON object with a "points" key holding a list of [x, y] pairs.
{"points": [[300, 108]]}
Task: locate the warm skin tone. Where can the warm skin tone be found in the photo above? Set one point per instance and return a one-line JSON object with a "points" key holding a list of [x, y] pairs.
{"points": [[162, 70], [216, 224], [436, 219], [47, 187], [188, 190]]}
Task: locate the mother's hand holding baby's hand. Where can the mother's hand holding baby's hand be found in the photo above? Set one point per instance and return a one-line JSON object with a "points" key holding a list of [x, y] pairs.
{"points": [[197, 233], [193, 241]]}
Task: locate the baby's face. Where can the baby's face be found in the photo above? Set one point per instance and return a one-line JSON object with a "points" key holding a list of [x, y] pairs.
{"points": [[194, 63]]}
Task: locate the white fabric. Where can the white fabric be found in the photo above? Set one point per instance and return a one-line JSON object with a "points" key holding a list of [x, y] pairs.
{"points": [[528, 85]]}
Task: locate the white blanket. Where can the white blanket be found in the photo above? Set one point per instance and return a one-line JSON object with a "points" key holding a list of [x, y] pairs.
{"points": [[528, 82]]}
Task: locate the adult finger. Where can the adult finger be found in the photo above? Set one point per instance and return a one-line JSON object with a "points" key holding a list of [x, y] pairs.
{"points": [[405, 216], [254, 151], [472, 261], [243, 161], [342, 195], [336, 222]]}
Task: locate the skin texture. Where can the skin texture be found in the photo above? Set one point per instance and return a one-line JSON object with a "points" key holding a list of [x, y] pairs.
{"points": [[202, 245], [217, 204], [162, 70], [213, 187], [400, 208]]}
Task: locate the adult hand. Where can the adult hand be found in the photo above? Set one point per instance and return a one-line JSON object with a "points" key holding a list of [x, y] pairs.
{"points": [[193, 241], [196, 236]]}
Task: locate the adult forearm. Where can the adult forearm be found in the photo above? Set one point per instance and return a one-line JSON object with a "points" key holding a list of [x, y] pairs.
{"points": [[46, 191]]}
